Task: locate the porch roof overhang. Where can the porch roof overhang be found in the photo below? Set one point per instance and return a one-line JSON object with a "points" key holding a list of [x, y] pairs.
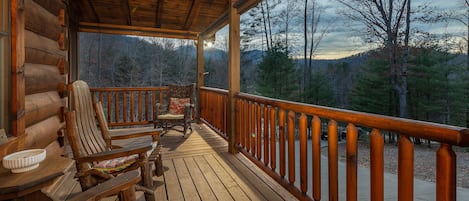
{"points": [[180, 19]]}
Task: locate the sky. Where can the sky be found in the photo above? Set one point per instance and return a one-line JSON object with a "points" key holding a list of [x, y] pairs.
{"points": [[343, 39]]}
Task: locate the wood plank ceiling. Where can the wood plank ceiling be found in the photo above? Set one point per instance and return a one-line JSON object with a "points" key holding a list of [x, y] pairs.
{"points": [[165, 18]]}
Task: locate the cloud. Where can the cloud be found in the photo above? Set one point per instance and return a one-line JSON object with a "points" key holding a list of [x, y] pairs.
{"points": [[346, 37]]}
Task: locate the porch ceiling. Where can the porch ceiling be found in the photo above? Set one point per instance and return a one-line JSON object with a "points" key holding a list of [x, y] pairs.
{"points": [[186, 19]]}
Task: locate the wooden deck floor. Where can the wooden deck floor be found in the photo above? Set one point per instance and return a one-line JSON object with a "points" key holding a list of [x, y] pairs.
{"points": [[200, 168]]}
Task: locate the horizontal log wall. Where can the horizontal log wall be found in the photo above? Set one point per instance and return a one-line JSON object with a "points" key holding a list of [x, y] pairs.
{"points": [[43, 49], [42, 78], [41, 106]]}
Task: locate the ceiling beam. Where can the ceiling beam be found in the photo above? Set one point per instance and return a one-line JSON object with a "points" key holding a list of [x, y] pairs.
{"points": [[159, 13], [241, 5], [193, 12], [214, 27], [89, 4], [126, 11], [244, 5], [135, 30]]}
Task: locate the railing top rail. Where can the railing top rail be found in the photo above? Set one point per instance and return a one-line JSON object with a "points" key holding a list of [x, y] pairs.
{"points": [[216, 90], [105, 89], [433, 131]]}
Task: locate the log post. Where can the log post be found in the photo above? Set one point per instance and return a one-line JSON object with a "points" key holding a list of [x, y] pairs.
{"points": [[17, 69], [234, 74], [200, 74]]}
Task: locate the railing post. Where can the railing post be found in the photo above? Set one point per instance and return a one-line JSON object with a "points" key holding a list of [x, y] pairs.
{"points": [[200, 75], [233, 73]]}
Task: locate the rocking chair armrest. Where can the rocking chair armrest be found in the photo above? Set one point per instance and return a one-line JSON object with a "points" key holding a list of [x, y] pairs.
{"points": [[188, 110], [121, 134], [116, 153], [110, 187], [159, 109]]}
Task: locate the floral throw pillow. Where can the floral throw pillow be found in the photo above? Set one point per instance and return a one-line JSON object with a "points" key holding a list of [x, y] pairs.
{"points": [[176, 105]]}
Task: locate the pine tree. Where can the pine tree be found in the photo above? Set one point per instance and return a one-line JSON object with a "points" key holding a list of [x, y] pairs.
{"points": [[437, 87], [373, 91], [276, 75], [320, 90], [123, 73]]}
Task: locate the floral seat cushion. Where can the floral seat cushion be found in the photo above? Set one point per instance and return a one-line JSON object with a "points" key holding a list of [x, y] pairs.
{"points": [[116, 164]]}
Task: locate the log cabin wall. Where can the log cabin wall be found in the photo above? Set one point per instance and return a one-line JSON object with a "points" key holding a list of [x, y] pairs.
{"points": [[42, 39]]}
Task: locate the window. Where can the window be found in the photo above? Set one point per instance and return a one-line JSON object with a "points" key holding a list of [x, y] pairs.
{"points": [[4, 62]]}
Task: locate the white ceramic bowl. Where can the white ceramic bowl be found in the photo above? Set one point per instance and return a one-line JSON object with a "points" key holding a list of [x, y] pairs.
{"points": [[25, 160]]}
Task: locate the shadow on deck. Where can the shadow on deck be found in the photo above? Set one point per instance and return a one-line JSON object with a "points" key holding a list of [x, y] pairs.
{"points": [[200, 168]]}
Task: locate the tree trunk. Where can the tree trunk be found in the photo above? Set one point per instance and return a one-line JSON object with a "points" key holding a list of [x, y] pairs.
{"points": [[265, 26], [305, 66]]}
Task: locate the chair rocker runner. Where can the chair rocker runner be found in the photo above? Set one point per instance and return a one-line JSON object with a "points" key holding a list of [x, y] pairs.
{"points": [[97, 158], [177, 111]]}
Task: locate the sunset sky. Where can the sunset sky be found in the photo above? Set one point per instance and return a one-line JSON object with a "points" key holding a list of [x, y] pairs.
{"points": [[343, 40]]}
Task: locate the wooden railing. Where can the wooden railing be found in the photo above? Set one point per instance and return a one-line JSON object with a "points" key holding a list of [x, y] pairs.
{"points": [[129, 106], [213, 109], [269, 130]]}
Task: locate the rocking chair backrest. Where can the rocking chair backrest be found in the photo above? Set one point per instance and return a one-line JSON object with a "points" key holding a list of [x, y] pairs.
{"points": [[88, 133], [181, 91]]}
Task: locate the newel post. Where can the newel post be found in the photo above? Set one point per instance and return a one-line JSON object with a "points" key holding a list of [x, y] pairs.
{"points": [[234, 74], [200, 74]]}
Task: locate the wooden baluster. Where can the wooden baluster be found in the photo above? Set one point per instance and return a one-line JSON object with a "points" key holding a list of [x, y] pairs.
{"points": [[161, 96], [153, 103], [216, 113], [248, 127], [291, 147], [333, 161], [93, 97], [259, 132], [248, 134], [139, 105], [109, 104], [132, 107], [266, 135], [242, 123], [253, 129], [101, 97], [445, 173], [303, 124], [352, 137], [238, 120], [316, 149], [116, 106], [281, 136], [124, 106], [147, 105], [273, 136], [405, 169], [225, 115], [377, 165]]}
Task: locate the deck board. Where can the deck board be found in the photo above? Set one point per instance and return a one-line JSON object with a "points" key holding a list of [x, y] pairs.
{"points": [[200, 168], [215, 174]]}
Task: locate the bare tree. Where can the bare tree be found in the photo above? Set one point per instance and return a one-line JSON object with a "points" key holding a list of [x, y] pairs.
{"points": [[312, 31], [384, 21]]}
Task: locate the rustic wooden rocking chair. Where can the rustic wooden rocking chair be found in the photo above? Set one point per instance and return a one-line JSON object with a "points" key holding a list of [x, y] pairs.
{"points": [[123, 185], [90, 153], [177, 111], [90, 142]]}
